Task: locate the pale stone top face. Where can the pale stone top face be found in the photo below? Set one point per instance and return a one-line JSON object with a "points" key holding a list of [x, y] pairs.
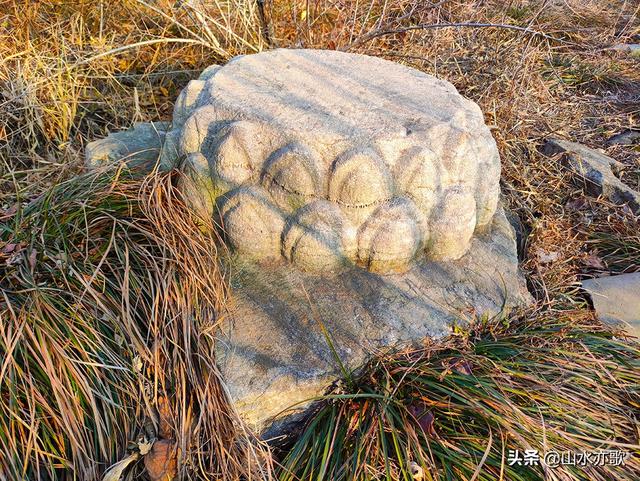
{"points": [[331, 159]]}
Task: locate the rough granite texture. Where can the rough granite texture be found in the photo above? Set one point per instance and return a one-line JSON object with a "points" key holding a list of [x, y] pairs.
{"points": [[273, 352], [360, 199]]}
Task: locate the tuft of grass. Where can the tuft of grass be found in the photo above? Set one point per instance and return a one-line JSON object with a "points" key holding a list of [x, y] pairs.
{"points": [[621, 254], [619, 245], [591, 76], [110, 299], [452, 410]]}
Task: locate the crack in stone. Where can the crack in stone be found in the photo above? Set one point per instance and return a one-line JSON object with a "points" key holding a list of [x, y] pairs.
{"points": [[288, 190], [362, 206]]}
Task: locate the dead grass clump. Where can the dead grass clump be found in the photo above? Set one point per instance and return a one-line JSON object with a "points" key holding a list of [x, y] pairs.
{"points": [[452, 410], [110, 299], [70, 71]]}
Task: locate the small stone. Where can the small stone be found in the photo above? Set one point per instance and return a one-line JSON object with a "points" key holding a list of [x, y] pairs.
{"points": [[139, 147], [628, 137], [596, 171], [631, 48], [545, 257], [616, 299]]}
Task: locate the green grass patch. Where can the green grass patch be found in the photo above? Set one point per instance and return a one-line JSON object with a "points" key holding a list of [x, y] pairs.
{"points": [[452, 410], [110, 294]]}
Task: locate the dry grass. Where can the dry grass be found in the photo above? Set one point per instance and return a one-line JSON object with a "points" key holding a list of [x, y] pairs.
{"points": [[110, 301], [452, 410], [72, 70]]}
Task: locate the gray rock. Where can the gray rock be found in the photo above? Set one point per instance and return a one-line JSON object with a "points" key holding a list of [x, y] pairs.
{"points": [[628, 137], [274, 350], [139, 146], [360, 201], [596, 170], [631, 48], [616, 299], [331, 160]]}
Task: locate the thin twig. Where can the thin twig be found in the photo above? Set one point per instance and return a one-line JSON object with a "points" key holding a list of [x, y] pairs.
{"points": [[265, 25], [429, 26], [173, 20], [136, 45], [439, 4], [387, 24]]}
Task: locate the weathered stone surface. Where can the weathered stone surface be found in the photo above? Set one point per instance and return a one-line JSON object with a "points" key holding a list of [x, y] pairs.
{"points": [[273, 352], [616, 299], [631, 48], [139, 146], [628, 137], [407, 163], [360, 201], [595, 169]]}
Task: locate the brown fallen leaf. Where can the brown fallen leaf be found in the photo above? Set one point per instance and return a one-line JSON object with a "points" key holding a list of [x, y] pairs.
{"points": [[425, 418], [33, 255], [9, 248], [578, 203], [161, 462], [463, 367]]}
